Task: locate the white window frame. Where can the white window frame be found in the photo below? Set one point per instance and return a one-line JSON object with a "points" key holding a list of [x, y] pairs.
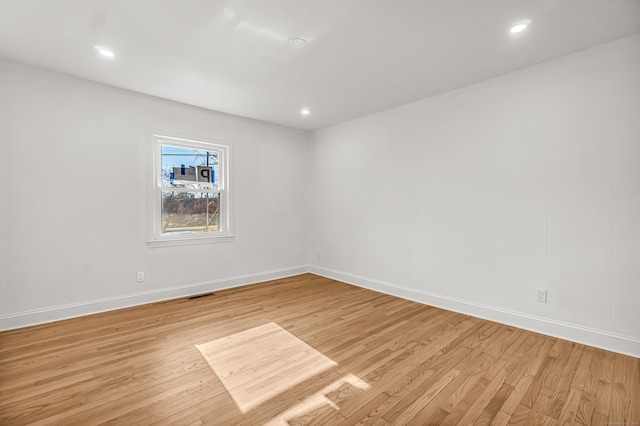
{"points": [[156, 238]]}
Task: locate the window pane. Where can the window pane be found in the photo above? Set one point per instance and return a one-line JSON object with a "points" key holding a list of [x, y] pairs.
{"points": [[190, 212], [179, 166]]}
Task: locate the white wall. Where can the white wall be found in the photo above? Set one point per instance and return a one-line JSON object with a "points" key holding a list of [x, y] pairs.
{"points": [[475, 198], [69, 241], [469, 200]]}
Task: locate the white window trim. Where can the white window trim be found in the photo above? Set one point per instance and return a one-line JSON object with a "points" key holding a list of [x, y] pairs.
{"points": [[156, 239]]}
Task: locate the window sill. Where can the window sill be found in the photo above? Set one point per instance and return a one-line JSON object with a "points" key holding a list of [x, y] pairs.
{"points": [[170, 242]]}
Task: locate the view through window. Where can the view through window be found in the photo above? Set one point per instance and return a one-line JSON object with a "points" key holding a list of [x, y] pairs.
{"points": [[189, 207]]}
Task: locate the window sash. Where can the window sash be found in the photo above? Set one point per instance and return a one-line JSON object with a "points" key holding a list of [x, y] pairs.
{"points": [[177, 189], [189, 144]]}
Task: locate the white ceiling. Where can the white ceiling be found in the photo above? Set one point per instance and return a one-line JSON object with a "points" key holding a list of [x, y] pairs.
{"points": [[362, 56]]}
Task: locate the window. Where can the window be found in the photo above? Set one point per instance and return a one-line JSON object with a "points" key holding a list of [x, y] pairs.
{"points": [[190, 194]]}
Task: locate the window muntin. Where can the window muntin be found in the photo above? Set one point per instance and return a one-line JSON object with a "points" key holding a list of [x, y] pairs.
{"points": [[190, 192]]}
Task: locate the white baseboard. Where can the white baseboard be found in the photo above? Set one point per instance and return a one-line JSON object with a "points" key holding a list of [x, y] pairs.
{"points": [[72, 310], [576, 333], [598, 338]]}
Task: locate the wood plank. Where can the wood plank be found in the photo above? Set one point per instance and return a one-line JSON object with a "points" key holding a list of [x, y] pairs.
{"points": [[619, 407], [569, 411]]}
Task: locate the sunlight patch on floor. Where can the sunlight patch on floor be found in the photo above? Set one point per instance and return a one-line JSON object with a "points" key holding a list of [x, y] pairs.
{"points": [[318, 400], [257, 364]]}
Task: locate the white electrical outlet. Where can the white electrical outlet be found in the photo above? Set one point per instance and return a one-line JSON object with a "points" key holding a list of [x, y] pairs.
{"points": [[140, 276], [541, 295]]}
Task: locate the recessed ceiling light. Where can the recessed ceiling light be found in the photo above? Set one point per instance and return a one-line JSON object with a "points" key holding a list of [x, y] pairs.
{"points": [[518, 27], [305, 111], [297, 43], [107, 53]]}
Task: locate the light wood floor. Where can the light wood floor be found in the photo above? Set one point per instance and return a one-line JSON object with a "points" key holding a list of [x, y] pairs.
{"points": [[390, 361]]}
